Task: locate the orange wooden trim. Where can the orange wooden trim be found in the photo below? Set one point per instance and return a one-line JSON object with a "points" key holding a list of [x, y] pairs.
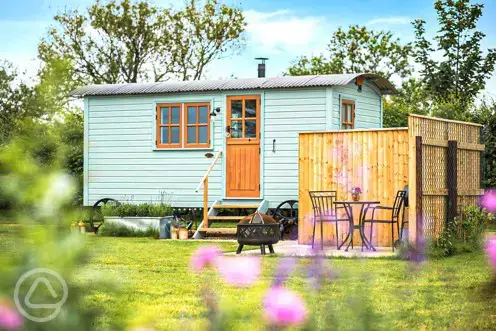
{"points": [[158, 120], [197, 105], [242, 98], [352, 104]]}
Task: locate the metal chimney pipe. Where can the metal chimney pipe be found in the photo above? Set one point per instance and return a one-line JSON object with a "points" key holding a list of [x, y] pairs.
{"points": [[261, 66]]}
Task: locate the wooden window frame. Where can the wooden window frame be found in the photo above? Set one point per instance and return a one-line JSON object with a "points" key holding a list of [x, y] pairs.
{"points": [[346, 125], [158, 141], [197, 125], [243, 118]]}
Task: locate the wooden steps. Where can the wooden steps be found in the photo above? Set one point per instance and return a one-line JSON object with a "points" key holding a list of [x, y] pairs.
{"points": [[236, 206]]}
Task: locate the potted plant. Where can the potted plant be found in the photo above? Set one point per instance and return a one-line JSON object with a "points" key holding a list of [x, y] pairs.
{"points": [[355, 193], [137, 216], [179, 229]]}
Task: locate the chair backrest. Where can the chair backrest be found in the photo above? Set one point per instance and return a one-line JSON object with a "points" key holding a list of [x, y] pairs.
{"points": [[399, 201], [323, 203]]}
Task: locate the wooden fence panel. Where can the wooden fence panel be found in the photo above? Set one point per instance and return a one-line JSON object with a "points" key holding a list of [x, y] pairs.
{"points": [[375, 160], [436, 134]]}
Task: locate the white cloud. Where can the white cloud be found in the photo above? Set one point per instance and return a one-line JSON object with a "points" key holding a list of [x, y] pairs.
{"points": [[394, 20], [283, 31]]}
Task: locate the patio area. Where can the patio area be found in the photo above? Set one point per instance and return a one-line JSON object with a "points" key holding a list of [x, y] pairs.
{"points": [[293, 249]]}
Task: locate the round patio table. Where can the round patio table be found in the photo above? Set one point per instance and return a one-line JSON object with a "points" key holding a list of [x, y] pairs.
{"points": [[348, 206]]}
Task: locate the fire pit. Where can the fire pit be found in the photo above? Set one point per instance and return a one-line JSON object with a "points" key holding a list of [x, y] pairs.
{"points": [[257, 230]]}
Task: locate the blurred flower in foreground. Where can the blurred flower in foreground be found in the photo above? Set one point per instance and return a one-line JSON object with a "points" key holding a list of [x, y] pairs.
{"points": [[204, 256], [489, 201], [9, 318], [318, 270], [491, 252], [240, 270], [284, 268], [283, 307]]}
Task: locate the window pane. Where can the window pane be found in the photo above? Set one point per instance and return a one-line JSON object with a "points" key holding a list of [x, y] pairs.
{"points": [[175, 115], [202, 135], [350, 116], [251, 129], [236, 129], [203, 114], [250, 108], [191, 115], [343, 113], [191, 134], [164, 135], [175, 135], [165, 115], [236, 109]]}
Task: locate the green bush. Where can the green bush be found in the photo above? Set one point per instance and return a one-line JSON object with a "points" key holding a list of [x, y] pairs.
{"points": [[137, 210], [464, 234], [118, 230]]}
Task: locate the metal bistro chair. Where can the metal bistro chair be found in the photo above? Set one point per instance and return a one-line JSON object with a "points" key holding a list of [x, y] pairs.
{"points": [[325, 211], [396, 209]]}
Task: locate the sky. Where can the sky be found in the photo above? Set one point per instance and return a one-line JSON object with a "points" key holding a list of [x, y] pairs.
{"points": [[281, 30]]}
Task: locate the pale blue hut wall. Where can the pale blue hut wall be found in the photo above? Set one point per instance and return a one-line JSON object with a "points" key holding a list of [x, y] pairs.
{"points": [[122, 162], [286, 114], [368, 107]]}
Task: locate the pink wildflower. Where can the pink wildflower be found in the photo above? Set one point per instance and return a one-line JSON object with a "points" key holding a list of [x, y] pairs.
{"points": [[283, 307], [491, 252], [204, 256], [239, 271], [489, 201], [9, 318]]}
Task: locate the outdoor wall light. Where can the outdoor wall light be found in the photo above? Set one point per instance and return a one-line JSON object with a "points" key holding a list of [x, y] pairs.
{"points": [[359, 83], [215, 110]]}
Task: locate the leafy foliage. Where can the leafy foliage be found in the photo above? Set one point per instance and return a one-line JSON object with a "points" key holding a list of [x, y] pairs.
{"points": [[485, 114], [464, 234], [129, 41], [412, 98], [137, 210], [358, 50], [119, 230], [456, 79]]}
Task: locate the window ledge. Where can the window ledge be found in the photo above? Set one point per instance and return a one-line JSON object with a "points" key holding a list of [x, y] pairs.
{"points": [[183, 149]]}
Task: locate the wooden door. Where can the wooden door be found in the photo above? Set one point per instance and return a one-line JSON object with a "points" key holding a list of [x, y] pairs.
{"points": [[243, 147]]}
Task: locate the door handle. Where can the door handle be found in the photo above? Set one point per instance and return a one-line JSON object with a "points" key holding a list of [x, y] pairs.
{"points": [[228, 129]]}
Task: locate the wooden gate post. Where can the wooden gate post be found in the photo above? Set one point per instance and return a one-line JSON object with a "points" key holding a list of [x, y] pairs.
{"points": [[452, 182], [419, 191]]}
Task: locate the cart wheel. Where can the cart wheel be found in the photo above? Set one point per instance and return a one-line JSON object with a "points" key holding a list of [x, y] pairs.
{"points": [[287, 215], [96, 217]]}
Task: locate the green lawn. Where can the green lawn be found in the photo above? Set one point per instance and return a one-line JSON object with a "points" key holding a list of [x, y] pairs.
{"points": [[155, 289]]}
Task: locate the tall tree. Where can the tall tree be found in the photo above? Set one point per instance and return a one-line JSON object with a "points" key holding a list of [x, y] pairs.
{"points": [[17, 101], [461, 73], [128, 41], [358, 50], [412, 98]]}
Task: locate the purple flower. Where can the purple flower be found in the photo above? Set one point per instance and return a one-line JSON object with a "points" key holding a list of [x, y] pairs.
{"points": [[9, 318], [204, 256], [239, 271], [491, 252], [283, 307], [284, 268], [489, 201], [318, 270]]}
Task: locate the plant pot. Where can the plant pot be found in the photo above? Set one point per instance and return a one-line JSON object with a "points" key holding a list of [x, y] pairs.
{"points": [[355, 197], [174, 233], [183, 234]]}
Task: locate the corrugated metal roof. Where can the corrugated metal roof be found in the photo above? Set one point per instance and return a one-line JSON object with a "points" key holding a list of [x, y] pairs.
{"points": [[232, 84]]}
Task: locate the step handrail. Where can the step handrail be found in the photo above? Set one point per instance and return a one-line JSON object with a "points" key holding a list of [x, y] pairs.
{"points": [[204, 182], [217, 157]]}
